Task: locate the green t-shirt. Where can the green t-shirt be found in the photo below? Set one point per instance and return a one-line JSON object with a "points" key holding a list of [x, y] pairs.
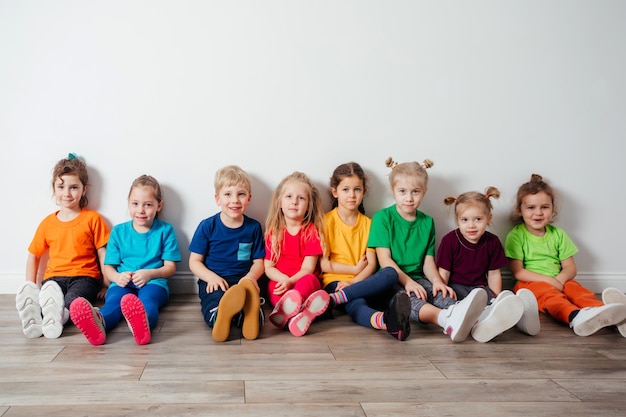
{"points": [[540, 254], [409, 242]]}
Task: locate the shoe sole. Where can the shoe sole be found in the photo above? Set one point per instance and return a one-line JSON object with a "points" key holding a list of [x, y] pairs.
{"points": [[477, 300], [287, 307], [135, 315], [29, 310], [314, 306], [401, 308], [251, 310], [615, 296], [82, 315], [503, 315], [231, 303], [614, 314], [52, 302], [529, 323]]}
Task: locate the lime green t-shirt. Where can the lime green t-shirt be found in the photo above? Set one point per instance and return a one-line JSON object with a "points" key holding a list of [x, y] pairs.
{"points": [[540, 254], [409, 241]]}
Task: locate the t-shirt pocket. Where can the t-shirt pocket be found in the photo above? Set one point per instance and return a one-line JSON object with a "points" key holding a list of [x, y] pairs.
{"points": [[244, 252]]}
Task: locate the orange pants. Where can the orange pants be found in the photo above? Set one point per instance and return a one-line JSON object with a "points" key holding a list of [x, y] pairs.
{"points": [[561, 304]]}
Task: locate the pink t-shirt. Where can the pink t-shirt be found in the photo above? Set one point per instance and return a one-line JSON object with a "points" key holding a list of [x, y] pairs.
{"points": [[295, 248]]}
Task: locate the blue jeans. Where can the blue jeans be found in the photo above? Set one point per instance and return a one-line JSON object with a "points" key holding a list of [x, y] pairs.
{"points": [[374, 291], [210, 301], [152, 296]]}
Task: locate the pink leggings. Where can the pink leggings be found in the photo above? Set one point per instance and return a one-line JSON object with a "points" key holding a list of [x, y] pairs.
{"points": [[306, 286], [561, 304]]}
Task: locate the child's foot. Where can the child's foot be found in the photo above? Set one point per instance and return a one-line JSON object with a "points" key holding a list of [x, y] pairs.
{"points": [[88, 320], [498, 317], [252, 312], [288, 306], [529, 323], [591, 319], [397, 316], [461, 317], [29, 310], [613, 295], [137, 318], [314, 305], [52, 302]]}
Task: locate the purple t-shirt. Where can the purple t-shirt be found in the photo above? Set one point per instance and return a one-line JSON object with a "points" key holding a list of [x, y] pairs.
{"points": [[468, 262]]}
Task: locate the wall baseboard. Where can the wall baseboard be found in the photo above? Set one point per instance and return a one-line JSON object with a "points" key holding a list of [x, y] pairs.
{"points": [[185, 282]]}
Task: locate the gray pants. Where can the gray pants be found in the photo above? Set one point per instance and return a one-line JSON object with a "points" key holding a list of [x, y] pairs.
{"points": [[438, 300]]}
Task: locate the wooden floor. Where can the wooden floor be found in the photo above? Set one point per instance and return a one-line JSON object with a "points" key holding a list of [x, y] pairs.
{"points": [[338, 369]]}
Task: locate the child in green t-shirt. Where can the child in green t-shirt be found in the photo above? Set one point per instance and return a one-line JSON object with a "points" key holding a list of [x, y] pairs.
{"points": [[404, 239]]}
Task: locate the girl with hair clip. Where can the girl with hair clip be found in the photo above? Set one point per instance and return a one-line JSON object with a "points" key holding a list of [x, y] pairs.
{"points": [[471, 257], [141, 256], [542, 260], [293, 245], [75, 239], [350, 268], [404, 239]]}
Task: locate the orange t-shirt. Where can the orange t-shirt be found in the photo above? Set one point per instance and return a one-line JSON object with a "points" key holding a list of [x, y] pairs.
{"points": [[72, 245]]}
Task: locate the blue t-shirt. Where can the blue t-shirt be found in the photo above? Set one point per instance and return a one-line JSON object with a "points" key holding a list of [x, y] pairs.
{"points": [[228, 252], [129, 250]]}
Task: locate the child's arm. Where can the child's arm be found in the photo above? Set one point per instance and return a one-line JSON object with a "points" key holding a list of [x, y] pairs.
{"points": [[285, 282], [409, 284], [568, 270], [341, 268], [524, 275], [445, 275], [494, 281], [431, 272], [32, 265], [111, 275], [199, 269]]}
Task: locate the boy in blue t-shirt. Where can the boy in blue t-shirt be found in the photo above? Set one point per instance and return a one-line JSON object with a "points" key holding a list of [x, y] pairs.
{"points": [[227, 252]]}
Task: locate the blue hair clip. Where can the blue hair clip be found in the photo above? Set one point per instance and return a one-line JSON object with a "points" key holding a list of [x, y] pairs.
{"points": [[71, 156]]}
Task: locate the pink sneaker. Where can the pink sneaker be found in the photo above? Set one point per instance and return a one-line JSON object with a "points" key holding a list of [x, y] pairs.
{"points": [[88, 320], [314, 306], [136, 317], [288, 306]]}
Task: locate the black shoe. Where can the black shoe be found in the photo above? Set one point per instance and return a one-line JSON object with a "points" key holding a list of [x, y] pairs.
{"points": [[397, 317]]}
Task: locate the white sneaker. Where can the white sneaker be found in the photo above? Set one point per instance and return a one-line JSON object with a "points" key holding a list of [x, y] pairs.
{"points": [[52, 302], [461, 317], [591, 319], [29, 310], [529, 323], [613, 295], [498, 317]]}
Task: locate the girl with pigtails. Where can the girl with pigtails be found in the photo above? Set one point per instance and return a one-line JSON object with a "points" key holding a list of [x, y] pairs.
{"points": [[470, 257]]}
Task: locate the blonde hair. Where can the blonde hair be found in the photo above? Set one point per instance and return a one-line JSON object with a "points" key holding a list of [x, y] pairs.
{"points": [[412, 169], [231, 175], [312, 224], [474, 198], [148, 181]]}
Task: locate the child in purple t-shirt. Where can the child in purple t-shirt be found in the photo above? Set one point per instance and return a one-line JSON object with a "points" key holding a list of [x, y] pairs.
{"points": [[471, 257]]}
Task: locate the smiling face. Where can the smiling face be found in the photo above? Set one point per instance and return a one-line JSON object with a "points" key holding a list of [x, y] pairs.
{"points": [[537, 210], [408, 192], [68, 190], [234, 201], [472, 221], [294, 201], [143, 207], [349, 193]]}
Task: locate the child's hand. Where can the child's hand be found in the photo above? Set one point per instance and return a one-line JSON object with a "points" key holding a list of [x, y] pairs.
{"points": [[282, 287], [555, 283], [123, 279], [214, 284], [361, 265], [412, 287], [140, 278], [342, 284], [445, 290]]}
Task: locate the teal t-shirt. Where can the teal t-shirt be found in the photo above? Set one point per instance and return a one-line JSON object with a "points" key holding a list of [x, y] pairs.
{"points": [[409, 241], [540, 254]]}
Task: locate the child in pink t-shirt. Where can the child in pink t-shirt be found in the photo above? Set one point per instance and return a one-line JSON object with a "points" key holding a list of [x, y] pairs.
{"points": [[292, 250]]}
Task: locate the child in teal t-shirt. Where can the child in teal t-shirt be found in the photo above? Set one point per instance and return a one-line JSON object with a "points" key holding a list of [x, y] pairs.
{"points": [[404, 238]]}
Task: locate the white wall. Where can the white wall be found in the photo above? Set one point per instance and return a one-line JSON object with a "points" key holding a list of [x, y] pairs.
{"points": [[491, 91]]}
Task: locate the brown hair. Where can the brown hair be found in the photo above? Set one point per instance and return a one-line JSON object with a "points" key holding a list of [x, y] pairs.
{"points": [[346, 170], [474, 198], [534, 186], [72, 165]]}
